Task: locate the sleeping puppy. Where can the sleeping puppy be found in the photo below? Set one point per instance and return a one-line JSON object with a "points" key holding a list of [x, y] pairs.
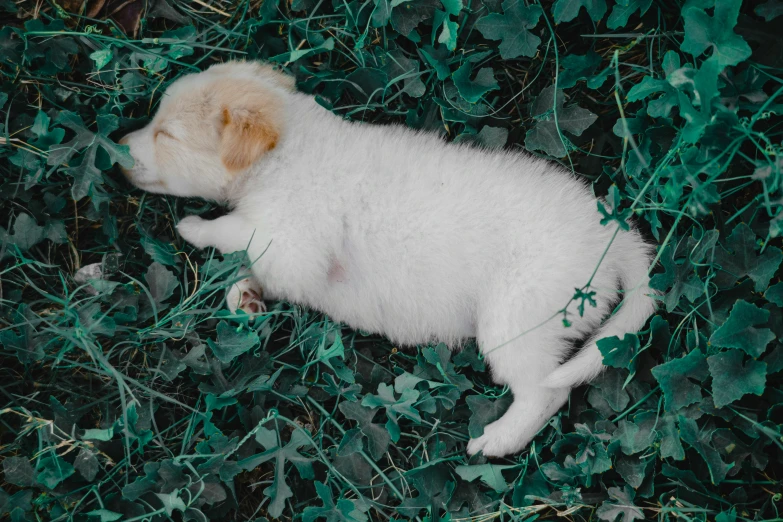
{"points": [[397, 232]]}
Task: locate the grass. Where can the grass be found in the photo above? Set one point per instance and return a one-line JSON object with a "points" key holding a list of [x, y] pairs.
{"points": [[137, 396]]}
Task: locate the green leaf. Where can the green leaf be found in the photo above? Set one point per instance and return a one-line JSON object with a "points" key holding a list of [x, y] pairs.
{"points": [[104, 515], [700, 440], [774, 294], [452, 7], [731, 379], [18, 471], [86, 464], [87, 174], [623, 10], [171, 502], [567, 10], [352, 442], [637, 435], [403, 406], [679, 274], [56, 50], [513, 29], [344, 511], [473, 90], [485, 411], [448, 34], [544, 135], [53, 470], [737, 258], [577, 67], [621, 505], [232, 342], [770, 10], [703, 32], [101, 57], [161, 282], [378, 437], [739, 331], [26, 234], [674, 378], [490, 474], [279, 490]]}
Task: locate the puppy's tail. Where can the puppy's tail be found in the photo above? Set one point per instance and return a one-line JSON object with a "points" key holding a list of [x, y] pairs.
{"points": [[635, 309]]}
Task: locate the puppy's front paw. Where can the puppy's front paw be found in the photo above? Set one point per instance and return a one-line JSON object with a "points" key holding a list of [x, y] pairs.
{"points": [[246, 295], [191, 228], [499, 439]]}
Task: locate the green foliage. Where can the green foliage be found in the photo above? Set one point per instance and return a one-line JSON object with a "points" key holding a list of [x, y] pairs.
{"points": [[132, 394]]}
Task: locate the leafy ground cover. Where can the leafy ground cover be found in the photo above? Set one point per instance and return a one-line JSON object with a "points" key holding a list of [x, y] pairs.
{"points": [[132, 394]]}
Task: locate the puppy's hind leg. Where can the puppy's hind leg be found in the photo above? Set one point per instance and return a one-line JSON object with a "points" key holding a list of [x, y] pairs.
{"points": [[521, 364], [246, 294]]}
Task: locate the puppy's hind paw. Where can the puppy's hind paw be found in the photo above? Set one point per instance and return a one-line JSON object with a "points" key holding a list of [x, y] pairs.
{"points": [[246, 295]]}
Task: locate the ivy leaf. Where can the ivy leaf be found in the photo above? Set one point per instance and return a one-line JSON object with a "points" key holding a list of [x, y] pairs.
{"points": [[26, 234], [104, 515], [567, 10], [86, 464], [171, 502], [490, 474], [621, 505], [737, 258], [623, 10], [394, 407], [700, 440], [485, 411], [544, 136], [87, 174], [774, 294], [473, 90], [674, 377], [101, 57], [680, 276], [378, 437], [279, 490], [53, 470], [613, 213], [671, 447], [344, 511], [11, 46], [739, 330], [662, 106], [637, 435], [18, 471], [619, 353], [513, 29], [770, 10], [577, 67], [232, 342], [703, 32], [731, 379], [161, 282], [56, 50]]}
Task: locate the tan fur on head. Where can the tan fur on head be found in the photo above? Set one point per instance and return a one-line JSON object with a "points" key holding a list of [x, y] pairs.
{"points": [[251, 123]]}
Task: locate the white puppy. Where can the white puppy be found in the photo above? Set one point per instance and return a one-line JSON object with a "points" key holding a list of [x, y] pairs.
{"points": [[397, 232]]}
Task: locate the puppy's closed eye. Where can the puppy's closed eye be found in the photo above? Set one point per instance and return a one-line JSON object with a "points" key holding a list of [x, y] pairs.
{"points": [[164, 133]]}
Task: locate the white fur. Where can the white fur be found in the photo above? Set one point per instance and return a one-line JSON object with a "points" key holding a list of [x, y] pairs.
{"points": [[397, 232]]}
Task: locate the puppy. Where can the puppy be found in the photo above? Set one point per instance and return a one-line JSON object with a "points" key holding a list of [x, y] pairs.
{"points": [[397, 232]]}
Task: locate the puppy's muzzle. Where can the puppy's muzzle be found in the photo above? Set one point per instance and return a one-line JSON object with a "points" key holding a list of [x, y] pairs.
{"points": [[125, 172]]}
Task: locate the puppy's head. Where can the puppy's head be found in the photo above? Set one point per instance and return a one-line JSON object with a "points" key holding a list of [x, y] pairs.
{"points": [[209, 127]]}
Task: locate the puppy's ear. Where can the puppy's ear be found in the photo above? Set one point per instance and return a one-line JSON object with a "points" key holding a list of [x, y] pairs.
{"points": [[247, 135]]}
